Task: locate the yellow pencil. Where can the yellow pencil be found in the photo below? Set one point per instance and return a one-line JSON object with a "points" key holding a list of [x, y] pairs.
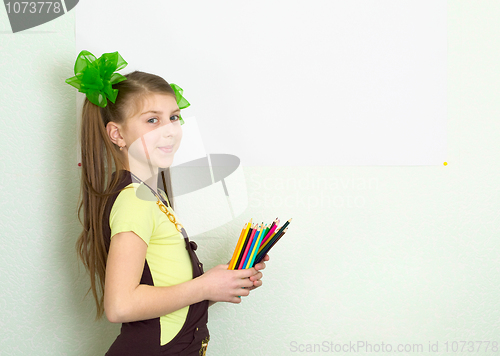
{"points": [[239, 244]]}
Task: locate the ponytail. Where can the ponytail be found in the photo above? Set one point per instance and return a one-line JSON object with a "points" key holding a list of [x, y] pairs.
{"points": [[99, 158]]}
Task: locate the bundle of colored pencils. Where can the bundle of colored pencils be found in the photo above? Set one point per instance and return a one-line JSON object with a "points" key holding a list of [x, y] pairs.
{"points": [[255, 242]]}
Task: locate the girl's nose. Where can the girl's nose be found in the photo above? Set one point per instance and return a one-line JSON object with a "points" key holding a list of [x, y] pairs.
{"points": [[167, 129]]}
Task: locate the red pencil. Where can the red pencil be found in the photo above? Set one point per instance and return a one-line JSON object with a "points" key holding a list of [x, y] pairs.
{"points": [[271, 230], [244, 256]]}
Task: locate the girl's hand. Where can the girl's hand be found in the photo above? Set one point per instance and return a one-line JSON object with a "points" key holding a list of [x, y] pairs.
{"points": [[223, 285], [256, 279]]}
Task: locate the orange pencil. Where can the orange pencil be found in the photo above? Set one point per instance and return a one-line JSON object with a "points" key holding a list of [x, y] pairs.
{"points": [[237, 249]]}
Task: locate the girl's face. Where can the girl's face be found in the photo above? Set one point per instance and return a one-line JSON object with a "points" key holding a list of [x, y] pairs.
{"points": [[153, 135]]}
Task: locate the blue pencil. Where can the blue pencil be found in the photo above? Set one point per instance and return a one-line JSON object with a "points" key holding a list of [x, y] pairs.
{"points": [[247, 259], [256, 247]]}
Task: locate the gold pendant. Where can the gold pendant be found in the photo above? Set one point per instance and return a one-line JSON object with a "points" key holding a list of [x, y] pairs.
{"points": [[169, 215], [204, 346]]}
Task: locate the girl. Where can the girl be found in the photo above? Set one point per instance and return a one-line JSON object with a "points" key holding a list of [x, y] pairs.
{"points": [[143, 269]]}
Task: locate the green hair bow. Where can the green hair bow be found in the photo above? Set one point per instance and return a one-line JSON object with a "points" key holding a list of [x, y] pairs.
{"points": [[181, 101], [95, 77]]}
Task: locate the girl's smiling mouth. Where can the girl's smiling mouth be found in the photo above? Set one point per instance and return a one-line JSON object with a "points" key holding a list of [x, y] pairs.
{"points": [[167, 149]]}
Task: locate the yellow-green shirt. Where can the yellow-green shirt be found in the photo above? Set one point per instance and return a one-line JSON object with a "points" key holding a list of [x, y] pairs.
{"points": [[135, 210]]}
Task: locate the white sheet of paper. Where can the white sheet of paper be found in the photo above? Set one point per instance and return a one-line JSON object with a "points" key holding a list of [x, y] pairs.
{"points": [[323, 82]]}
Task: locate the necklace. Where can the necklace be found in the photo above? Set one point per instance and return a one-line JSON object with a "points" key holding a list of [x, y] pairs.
{"points": [[161, 204]]}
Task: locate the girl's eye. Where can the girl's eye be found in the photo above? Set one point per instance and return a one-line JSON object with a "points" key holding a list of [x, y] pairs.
{"points": [[152, 120], [174, 118]]}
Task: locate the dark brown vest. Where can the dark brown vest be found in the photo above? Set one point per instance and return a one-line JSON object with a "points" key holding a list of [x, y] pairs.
{"points": [[142, 338]]}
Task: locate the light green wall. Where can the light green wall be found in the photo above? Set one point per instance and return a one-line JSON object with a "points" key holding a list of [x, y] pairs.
{"points": [[378, 254], [43, 311]]}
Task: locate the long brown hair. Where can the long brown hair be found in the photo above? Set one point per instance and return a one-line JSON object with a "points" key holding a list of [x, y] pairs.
{"points": [[100, 158]]}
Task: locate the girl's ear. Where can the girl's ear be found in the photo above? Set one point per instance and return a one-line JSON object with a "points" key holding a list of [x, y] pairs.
{"points": [[113, 131]]}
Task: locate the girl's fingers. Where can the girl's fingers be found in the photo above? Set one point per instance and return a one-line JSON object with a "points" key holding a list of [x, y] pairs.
{"points": [[244, 292], [245, 283], [257, 283], [246, 273], [235, 300], [262, 265], [256, 277]]}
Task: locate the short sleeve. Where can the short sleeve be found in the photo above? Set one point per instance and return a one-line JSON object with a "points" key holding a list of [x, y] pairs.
{"points": [[130, 213]]}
